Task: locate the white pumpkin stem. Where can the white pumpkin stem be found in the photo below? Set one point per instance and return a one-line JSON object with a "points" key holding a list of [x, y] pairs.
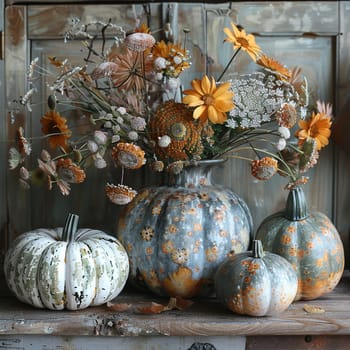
{"points": [[70, 228], [257, 249]]}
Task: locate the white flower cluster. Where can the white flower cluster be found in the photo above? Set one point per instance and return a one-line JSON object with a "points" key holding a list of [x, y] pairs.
{"points": [[257, 97], [119, 122]]}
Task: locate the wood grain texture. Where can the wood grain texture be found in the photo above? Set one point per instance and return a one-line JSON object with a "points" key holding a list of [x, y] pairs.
{"points": [[342, 129], [285, 37], [206, 317], [298, 342]]}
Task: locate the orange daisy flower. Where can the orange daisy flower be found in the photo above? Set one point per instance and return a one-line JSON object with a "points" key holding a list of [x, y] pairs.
{"points": [[273, 65], [317, 127], [240, 39], [210, 102], [55, 126], [128, 155]]}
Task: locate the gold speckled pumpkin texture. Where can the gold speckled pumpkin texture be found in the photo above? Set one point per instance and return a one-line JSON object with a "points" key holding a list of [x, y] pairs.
{"points": [[256, 283], [311, 243]]}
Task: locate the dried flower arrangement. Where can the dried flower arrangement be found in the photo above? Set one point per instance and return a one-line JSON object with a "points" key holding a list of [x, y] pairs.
{"points": [[131, 96]]}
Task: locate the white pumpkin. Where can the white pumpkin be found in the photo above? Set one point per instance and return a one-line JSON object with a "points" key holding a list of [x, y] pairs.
{"points": [[65, 267]]}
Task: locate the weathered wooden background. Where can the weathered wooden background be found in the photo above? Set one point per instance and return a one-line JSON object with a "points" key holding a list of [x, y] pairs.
{"points": [[312, 35]]}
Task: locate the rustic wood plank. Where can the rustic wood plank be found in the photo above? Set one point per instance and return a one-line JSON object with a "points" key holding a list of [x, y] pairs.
{"points": [[341, 132], [206, 317], [29, 342], [298, 342]]}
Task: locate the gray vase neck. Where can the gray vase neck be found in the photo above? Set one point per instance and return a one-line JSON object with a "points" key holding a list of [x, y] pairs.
{"points": [[197, 174]]}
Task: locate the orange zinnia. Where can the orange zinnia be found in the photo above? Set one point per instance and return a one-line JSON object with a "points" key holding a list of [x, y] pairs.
{"points": [[55, 126], [240, 39], [317, 127], [128, 155], [211, 102]]}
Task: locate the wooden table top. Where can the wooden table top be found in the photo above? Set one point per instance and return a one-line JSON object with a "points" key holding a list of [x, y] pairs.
{"points": [[204, 317]]}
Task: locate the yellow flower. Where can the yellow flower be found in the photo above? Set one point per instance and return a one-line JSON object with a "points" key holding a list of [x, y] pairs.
{"points": [[317, 127], [210, 102], [240, 39], [55, 126]]}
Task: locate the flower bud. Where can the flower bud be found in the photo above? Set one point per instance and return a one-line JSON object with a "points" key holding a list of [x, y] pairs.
{"points": [[100, 163], [284, 132], [115, 138], [100, 137], [164, 141], [133, 135], [160, 63], [281, 144], [92, 146], [121, 110]]}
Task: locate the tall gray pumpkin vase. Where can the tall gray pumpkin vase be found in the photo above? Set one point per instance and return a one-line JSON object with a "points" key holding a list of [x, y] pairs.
{"points": [[177, 235], [309, 241]]}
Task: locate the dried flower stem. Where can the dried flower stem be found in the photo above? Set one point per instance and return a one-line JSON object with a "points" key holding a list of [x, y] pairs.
{"points": [[228, 64]]}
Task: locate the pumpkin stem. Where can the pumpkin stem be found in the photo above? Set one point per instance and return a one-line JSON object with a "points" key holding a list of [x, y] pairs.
{"points": [[258, 251], [70, 228], [296, 208]]}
